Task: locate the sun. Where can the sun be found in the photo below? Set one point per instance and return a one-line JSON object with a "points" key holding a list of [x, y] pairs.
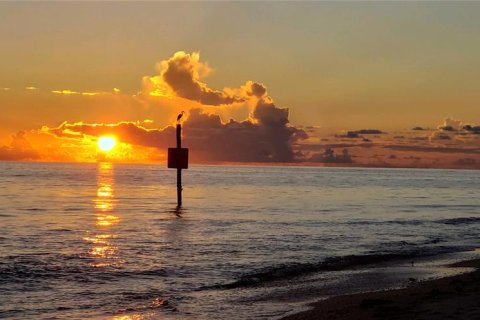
{"points": [[106, 143]]}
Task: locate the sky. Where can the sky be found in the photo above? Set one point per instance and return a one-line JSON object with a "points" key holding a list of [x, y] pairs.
{"points": [[338, 67]]}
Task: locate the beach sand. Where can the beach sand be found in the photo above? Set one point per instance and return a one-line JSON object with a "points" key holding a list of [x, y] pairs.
{"points": [[456, 297]]}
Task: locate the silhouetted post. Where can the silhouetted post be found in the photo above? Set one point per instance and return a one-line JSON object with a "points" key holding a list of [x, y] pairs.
{"points": [[179, 170], [178, 159]]}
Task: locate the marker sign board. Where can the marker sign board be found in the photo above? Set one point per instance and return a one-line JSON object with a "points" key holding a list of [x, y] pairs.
{"points": [[178, 158]]}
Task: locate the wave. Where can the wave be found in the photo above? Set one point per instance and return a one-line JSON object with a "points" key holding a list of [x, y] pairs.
{"points": [[417, 222], [292, 270], [34, 268], [458, 221], [413, 222], [444, 206]]}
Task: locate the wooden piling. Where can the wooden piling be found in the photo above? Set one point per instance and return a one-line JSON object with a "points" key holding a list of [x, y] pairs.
{"points": [[178, 159], [179, 170]]}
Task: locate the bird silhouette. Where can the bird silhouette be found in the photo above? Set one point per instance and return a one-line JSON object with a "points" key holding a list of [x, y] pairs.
{"points": [[180, 116]]}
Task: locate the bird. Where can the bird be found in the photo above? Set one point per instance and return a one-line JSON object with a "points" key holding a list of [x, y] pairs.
{"points": [[180, 116]]}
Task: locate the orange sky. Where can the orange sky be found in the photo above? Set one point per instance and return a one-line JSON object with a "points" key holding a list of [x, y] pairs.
{"points": [[338, 68]]}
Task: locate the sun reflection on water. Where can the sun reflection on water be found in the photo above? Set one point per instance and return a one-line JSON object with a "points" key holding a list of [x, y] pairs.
{"points": [[129, 317], [101, 238]]}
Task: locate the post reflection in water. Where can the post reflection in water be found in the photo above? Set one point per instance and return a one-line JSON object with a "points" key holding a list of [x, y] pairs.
{"points": [[102, 237]]}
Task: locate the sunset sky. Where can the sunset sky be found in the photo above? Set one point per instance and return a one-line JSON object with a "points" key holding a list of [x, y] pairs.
{"points": [[71, 72]]}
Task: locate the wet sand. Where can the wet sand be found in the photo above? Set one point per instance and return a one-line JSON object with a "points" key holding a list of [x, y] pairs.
{"points": [[456, 297]]}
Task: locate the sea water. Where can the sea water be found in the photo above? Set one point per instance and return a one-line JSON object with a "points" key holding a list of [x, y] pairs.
{"points": [[105, 241]]}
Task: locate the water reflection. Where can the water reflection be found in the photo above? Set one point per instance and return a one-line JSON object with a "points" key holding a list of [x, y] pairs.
{"points": [[178, 211], [102, 237], [128, 317]]}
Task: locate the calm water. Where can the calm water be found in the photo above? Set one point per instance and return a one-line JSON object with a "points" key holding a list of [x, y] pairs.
{"points": [[103, 241]]}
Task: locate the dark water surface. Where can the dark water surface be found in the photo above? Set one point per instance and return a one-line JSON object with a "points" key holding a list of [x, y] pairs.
{"points": [[103, 241]]}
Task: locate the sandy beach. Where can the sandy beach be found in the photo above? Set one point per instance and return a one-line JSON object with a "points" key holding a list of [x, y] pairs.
{"points": [[455, 297]]}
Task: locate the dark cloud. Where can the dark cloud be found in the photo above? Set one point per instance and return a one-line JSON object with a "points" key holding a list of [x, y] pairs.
{"points": [[270, 139], [447, 128], [354, 134], [368, 131], [329, 156], [472, 129], [255, 89], [19, 149], [351, 134], [267, 138]]}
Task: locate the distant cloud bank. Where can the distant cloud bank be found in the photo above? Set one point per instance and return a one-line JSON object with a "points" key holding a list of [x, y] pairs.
{"points": [[239, 124]]}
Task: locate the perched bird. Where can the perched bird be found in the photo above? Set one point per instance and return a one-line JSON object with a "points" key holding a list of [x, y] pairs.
{"points": [[180, 116]]}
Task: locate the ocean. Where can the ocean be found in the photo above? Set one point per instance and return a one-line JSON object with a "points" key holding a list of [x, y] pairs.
{"points": [[105, 241]]}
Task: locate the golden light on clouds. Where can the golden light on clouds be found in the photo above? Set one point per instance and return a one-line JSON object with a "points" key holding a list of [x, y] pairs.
{"points": [[72, 92], [244, 121], [106, 143]]}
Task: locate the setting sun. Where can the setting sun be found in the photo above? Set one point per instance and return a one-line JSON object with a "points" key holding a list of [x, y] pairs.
{"points": [[106, 143]]}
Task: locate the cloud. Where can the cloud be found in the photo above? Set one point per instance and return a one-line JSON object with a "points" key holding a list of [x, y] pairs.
{"points": [[31, 88], [472, 129], [450, 125], [349, 134], [260, 131], [129, 132], [358, 133], [180, 75], [254, 89], [19, 149], [368, 131], [456, 131], [71, 92], [329, 156], [266, 138]]}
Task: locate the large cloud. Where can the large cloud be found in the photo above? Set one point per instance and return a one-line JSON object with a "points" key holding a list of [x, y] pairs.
{"points": [[265, 138], [180, 75]]}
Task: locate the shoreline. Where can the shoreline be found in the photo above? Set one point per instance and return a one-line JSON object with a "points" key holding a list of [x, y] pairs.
{"points": [[451, 297]]}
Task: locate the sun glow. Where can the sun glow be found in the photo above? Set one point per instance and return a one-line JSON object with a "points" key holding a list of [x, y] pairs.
{"points": [[106, 143]]}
